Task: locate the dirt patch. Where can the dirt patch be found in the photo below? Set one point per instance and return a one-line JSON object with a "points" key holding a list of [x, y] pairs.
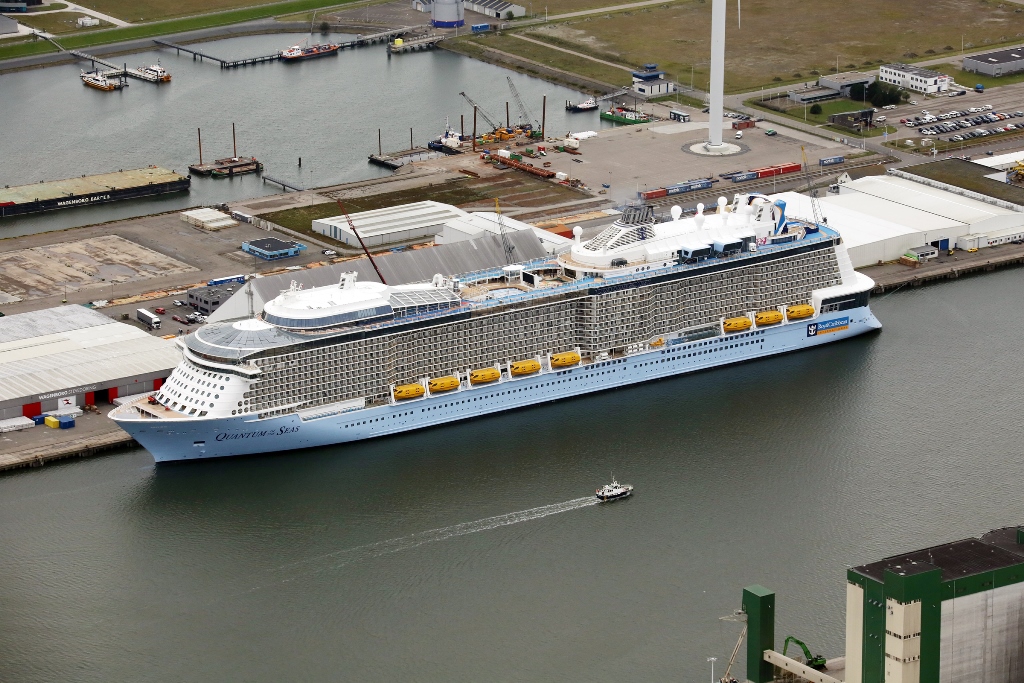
{"points": [[43, 271]]}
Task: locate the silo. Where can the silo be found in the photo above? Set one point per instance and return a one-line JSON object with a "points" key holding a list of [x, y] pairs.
{"points": [[447, 13]]}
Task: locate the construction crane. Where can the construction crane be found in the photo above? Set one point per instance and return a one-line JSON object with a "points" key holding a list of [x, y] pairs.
{"points": [[352, 227], [506, 245], [523, 111], [818, 220], [741, 616], [480, 110], [817, 662]]}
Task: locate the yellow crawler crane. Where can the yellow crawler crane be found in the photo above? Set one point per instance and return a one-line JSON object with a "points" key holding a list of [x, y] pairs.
{"points": [[484, 375], [440, 384], [564, 360], [799, 311], [407, 391], [737, 324], [523, 367], [768, 317]]}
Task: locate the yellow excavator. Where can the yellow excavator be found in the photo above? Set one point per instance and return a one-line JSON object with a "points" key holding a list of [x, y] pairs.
{"points": [[1016, 174]]}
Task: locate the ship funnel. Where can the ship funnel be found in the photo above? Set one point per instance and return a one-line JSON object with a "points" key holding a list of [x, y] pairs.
{"points": [[782, 215], [676, 211]]}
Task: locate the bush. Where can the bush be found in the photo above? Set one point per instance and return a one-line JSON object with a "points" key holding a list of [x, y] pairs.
{"points": [[508, 14], [325, 27], [815, 109], [776, 79], [798, 75]]}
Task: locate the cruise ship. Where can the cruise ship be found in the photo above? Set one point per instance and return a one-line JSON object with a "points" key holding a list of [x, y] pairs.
{"points": [[643, 300]]}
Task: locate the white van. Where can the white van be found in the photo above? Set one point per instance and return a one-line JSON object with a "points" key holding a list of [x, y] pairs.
{"points": [[739, 135]]}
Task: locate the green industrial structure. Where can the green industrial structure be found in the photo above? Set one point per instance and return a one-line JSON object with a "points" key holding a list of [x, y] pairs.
{"points": [[952, 613]]}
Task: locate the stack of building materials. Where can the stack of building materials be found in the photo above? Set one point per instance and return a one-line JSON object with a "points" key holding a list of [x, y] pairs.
{"points": [[208, 219], [15, 424]]}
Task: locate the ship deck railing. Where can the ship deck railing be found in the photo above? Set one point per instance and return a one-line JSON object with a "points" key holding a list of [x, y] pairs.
{"points": [[582, 284]]}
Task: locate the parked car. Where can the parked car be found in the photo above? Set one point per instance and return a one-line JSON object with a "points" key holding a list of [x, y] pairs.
{"points": [[880, 119], [179, 302], [160, 311], [913, 103], [771, 131], [178, 319], [329, 252]]}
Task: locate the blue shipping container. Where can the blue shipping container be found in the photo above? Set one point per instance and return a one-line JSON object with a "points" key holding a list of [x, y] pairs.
{"points": [[741, 177], [831, 161], [480, 28], [66, 421], [39, 419], [701, 185]]}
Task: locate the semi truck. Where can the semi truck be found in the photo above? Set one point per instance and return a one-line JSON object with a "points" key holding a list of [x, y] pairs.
{"points": [[148, 319]]}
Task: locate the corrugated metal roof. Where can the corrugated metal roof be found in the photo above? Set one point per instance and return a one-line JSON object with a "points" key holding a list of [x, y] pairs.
{"points": [[49, 321], [91, 354], [413, 216], [417, 265]]}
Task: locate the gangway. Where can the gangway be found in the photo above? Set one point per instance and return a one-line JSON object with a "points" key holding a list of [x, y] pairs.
{"points": [[224, 63]]}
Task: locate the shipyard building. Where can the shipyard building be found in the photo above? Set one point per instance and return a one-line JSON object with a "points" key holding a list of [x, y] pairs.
{"points": [[944, 205], [998, 63], [951, 613], [74, 356]]}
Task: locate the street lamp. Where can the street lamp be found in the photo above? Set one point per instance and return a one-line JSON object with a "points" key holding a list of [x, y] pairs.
{"points": [[712, 660]]}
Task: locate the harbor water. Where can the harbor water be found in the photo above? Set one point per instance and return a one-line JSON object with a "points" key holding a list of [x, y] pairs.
{"points": [[473, 552], [326, 111]]}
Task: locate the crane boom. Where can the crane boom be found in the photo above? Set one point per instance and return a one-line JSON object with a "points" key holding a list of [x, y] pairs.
{"points": [[519, 103], [813, 193], [506, 245], [352, 226], [735, 651], [480, 110]]}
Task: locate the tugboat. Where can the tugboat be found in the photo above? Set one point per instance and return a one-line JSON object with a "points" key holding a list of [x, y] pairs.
{"points": [[94, 79], [614, 491], [156, 72], [585, 105]]}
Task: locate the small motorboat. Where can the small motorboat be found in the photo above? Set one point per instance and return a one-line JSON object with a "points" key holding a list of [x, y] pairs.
{"points": [[614, 491]]}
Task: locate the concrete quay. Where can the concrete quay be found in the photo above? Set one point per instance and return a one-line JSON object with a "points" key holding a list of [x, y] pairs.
{"points": [[889, 277], [93, 434]]}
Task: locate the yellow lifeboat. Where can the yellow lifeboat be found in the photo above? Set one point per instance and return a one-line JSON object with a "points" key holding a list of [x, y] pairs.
{"points": [[405, 391], [799, 311], [439, 384], [523, 367], [563, 360], [737, 324], [658, 342], [484, 375], [768, 318]]}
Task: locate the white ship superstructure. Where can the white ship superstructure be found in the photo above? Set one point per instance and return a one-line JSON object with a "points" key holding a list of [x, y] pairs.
{"points": [[642, 300]]}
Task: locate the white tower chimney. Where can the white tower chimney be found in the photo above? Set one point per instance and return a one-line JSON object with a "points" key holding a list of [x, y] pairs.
{"points": [[715, 117]]}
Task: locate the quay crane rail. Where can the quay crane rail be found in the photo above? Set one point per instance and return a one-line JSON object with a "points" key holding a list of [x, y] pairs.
{"points": [[480, 110]]}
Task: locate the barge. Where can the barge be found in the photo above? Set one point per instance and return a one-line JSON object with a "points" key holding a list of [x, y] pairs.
{"points": [[88, 190], [224, 168]]}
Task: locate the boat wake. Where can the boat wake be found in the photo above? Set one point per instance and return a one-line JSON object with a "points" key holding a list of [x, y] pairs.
{"points": [[395, 545]]}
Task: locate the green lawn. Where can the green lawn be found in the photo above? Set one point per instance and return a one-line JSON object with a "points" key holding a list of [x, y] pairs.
{"points": [[46, 8], [60, 22], [967, 79], [162, 28]]}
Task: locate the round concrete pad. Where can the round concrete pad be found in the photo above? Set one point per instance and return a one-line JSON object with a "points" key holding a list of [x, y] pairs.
{"points": [[725, 149]]}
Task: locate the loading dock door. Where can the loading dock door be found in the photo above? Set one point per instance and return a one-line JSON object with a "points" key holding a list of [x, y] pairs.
{"points": [[941, 245]]}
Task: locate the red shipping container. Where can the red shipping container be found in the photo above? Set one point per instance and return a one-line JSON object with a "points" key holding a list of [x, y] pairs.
{"points": [[654, 194], [788, 168], [768, 172]]}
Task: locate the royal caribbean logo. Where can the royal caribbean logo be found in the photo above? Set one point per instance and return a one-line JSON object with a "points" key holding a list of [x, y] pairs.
{"points": [[828, 326]]}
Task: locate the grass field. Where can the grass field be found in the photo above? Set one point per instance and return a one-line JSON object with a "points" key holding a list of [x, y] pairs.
{"points": [[137, 11], [967, 79], [763, 52], [472, 45], [59, 22], [513, 189], [46, 8], [162, 28]]}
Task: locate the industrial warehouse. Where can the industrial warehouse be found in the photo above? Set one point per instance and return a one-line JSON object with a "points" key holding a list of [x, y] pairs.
{"points": [[72, 356], [949, 613]]}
